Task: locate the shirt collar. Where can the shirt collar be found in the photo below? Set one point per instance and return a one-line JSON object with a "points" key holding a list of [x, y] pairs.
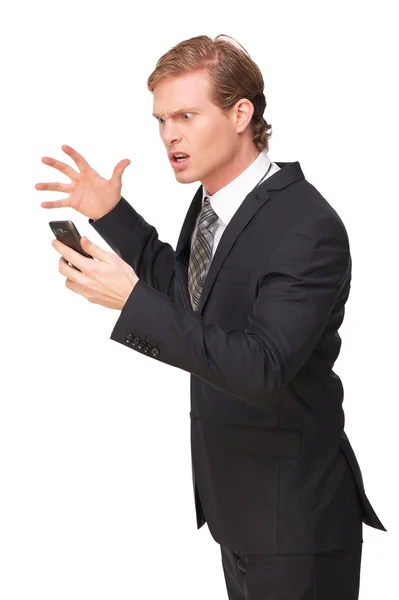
{"points": [[226, 201]]}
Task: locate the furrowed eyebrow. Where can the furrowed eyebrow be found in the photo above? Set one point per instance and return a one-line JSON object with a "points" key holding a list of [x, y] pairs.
{"points": [[177, 112]]}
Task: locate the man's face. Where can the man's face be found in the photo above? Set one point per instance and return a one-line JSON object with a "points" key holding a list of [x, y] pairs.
{"points": [[190, 123]]}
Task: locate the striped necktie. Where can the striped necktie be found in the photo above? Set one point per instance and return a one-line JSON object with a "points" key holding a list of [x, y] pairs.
{"points": [[201, 252]]}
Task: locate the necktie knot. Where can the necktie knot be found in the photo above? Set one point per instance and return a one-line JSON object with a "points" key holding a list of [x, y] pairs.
{"points": [[207, 215]]}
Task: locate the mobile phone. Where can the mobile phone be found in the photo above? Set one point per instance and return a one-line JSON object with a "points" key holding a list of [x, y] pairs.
{"points": [[67, 233]]}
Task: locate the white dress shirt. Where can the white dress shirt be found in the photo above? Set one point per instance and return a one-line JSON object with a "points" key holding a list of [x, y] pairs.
{"points": [[226, 201]]}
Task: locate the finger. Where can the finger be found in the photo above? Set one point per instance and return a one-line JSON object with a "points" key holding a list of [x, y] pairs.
{"points": [[60, 166], [56, 186], [71, 272], [82, 263], [74, 287], [120, 167], [78, 158], [95, 251], [56, 203], [65, 269]]}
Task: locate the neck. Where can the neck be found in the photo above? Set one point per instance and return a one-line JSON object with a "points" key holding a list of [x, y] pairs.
{"points": [[234, 166]]}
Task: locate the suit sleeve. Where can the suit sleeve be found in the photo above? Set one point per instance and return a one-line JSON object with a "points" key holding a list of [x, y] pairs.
{"points": [[298, 288], [137, 243]]}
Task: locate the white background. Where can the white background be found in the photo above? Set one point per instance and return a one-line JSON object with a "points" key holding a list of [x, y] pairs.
{"points": [[95, 470]]}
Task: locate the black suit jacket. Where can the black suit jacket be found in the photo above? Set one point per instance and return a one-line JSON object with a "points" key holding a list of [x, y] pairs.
{"points": [[273, 471]]}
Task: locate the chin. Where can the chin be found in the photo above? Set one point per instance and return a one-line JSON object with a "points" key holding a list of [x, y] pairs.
{"points": [[183, 177]]}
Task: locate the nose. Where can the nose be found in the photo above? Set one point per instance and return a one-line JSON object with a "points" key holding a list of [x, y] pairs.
{"points": [[170, 134]]}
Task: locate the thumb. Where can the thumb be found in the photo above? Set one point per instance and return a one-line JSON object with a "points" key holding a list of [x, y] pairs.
{"points": [[119, 169], [94, 250]]}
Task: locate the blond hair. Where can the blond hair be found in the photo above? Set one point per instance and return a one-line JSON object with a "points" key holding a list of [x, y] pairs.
{"points": [[232, 73]]}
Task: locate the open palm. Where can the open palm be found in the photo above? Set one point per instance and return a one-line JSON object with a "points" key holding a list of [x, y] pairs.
{"points": [[89, 193]]}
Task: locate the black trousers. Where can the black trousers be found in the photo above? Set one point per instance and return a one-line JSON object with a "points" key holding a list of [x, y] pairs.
{"points": [[333, 575]]}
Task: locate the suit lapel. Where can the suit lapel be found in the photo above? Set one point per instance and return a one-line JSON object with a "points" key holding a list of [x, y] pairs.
{"points": [[241, 217], [288, 173], [183, 246]]}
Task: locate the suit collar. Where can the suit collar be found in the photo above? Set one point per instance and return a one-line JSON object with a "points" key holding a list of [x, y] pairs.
{"points": [[289, 173], [226, 201]]}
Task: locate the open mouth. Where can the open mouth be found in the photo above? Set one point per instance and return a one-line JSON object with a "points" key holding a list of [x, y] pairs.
{"points": [[179, 159]]}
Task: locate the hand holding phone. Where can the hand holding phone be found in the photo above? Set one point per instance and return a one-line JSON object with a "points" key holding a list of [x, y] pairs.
{"points": [[67, 233]]}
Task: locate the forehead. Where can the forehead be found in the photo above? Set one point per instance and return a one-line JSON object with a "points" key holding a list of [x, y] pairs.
{"points": [[190, 90]]}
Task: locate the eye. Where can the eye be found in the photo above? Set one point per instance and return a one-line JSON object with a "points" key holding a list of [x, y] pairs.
{"points": [[187, 113]]}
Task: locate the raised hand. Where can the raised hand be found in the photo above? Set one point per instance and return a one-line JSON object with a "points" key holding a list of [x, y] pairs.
{"points": [[89, 193]]}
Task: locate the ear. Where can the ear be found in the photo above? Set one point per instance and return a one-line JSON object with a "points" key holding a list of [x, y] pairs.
{"points": [[244, 109]]}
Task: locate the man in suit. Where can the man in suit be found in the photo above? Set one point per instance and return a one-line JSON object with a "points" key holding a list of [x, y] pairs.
{"points": [[250, 304]]}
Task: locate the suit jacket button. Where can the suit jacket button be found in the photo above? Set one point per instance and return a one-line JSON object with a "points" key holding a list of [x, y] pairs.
{"points": [[128, 338], [155, 351], [140, 345], [135, 341], [147, 348]]}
